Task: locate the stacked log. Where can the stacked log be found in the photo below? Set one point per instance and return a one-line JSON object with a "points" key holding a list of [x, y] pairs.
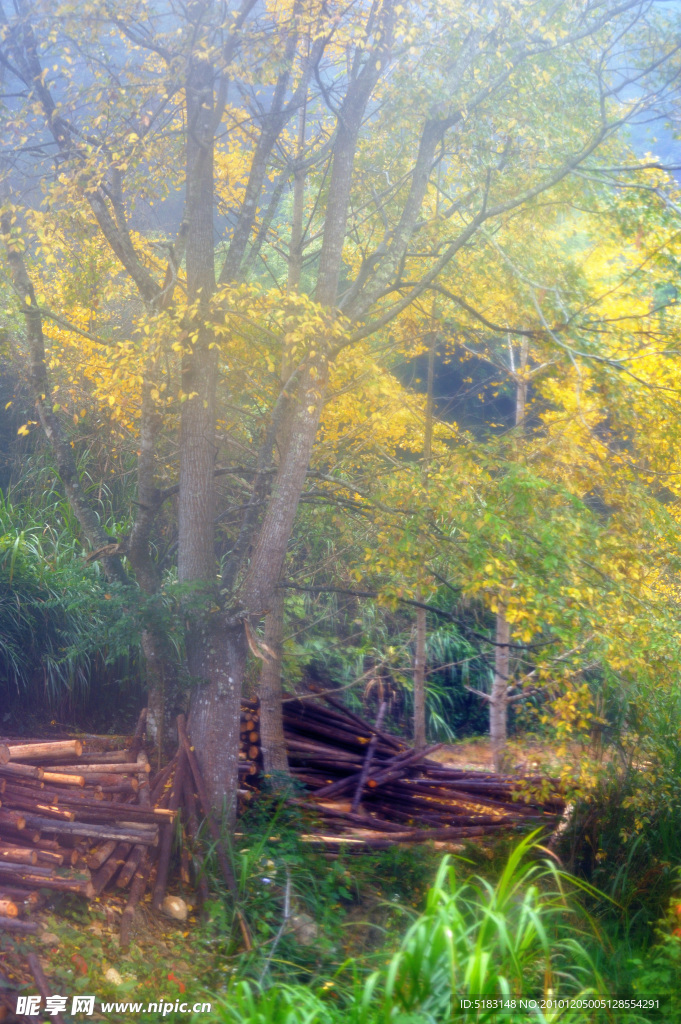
{"points": [[75, 816], [249, 738], [369, 788]]}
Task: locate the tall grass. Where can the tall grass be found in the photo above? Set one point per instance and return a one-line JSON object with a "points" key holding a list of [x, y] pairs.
{"points": [[520, 936], [56, 615]]}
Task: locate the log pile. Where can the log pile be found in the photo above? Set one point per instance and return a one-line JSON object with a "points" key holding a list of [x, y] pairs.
{"points": [[77, 816], [85, 815], [372, 790]]}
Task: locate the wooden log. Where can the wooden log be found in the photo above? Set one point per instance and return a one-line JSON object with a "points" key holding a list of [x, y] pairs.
{"points": [[160, 779], [10, 924], [8, 908], [36, 790], [105, 811], [131, 865], [369, 758], [119, 788], [13, 818], [393, 768], [63, 778], [139, 884], [21, 771], [36, 970], [124, 768], [192, 820], [44, 751], [253, 753], [18, 854], [145, 835], [100, 854], [52, 857], [38, 807], [110, 867], [392, 741], [9, 870], [4, 753], [166, 838]]}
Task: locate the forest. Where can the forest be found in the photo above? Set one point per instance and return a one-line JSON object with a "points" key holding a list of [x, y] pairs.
{"points": [[340, 511]]}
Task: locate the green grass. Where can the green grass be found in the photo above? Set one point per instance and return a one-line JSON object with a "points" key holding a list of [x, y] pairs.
{"points": [[518, 930]]}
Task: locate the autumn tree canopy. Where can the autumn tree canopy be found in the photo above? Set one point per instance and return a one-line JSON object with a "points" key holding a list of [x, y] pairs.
{"points": [[223, 227]]}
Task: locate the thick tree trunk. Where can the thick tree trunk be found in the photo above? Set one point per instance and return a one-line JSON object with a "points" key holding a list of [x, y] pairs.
{"points": [[215, 644], [216, 658], [275, 761]]}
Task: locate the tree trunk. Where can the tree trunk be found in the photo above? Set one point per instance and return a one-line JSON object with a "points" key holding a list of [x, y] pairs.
{"points": [[420, 679], [420, 652], [216, 657], [499, 696], [498, 708], [275, 761], [215, 644]]}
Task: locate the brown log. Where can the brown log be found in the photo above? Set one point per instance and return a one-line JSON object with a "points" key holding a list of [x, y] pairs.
{"points": [[29, 897], [4, 753], [369, 758], [36, 806], [52, 857], [21, 771], [130, 867], [160, 780], [36, 970], [35, 790], [110, 867], [10, 924], [18, 854], [124, 768], [44, 751], [144, 835], [192, 819], [105, 811], [8, 908], [392, 741], [100, 854], [253, 752], [166, 837], [13, 818], [9, 870], [139, 884], [392, 768], [254, 737], [63, 778]]}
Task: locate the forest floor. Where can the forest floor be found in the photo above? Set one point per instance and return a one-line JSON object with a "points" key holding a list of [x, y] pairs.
{"points": [[523, 756]]}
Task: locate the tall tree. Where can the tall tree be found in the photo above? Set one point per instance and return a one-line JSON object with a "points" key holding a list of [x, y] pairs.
{"points": [[509, 101]]}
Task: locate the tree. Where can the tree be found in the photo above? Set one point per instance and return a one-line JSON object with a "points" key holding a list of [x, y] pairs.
{"points": [[117, 106]]}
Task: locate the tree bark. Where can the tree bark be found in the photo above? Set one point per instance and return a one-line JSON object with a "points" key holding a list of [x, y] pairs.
{"points": [[273, 744], [498, 708], [419, 677], [216, 658], [420, 680], [499, 696]]}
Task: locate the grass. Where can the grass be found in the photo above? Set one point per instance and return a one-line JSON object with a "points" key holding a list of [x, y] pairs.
{"points": [[399, 937]]}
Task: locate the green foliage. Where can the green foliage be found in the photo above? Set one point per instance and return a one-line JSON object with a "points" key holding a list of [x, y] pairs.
{"points": [[58, 619], [475, 938]]}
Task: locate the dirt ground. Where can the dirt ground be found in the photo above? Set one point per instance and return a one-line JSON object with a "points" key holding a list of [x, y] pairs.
{"points": [[522, 757]]}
